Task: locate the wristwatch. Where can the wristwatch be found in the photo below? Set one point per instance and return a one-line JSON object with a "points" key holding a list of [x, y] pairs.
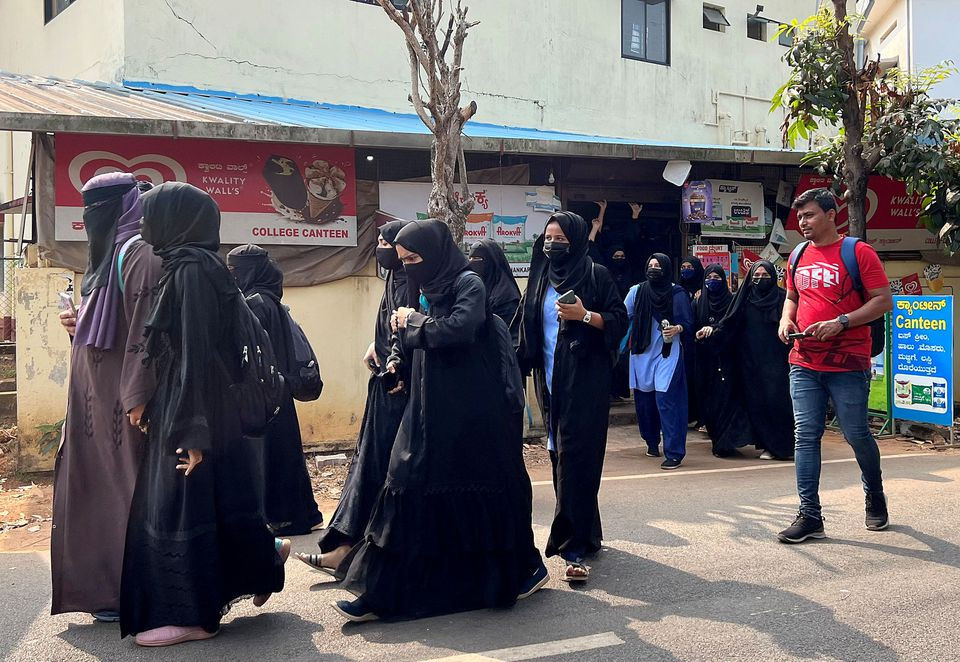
{"points": [[844, 321], [587, 317]]}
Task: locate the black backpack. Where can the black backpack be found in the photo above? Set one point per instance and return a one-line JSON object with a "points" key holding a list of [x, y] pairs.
{"points": [[848, 255], [303, 377], [257, 386]]}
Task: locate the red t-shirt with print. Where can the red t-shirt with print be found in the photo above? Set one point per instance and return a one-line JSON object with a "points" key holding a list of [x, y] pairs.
{"points": [[825, 292]]}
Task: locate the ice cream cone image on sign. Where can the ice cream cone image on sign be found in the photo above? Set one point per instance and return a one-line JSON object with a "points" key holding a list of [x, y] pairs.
{"points": [[325, 183], [934, 275]]}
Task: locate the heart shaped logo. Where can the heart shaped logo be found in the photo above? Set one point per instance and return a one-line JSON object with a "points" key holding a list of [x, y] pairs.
{"points": [[872, 203], [155, 167]]}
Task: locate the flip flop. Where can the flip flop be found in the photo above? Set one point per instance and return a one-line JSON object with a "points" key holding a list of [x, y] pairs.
{"points": [[315, 561]]}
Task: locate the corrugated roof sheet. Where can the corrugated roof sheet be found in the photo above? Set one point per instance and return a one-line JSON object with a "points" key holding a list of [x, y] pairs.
{"points": [[48, 104]]}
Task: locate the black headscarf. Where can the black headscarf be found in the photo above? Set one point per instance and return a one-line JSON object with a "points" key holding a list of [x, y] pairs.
{"points": [[255, 272], [693, 285], [770, 303], [654, 302], [498, 280], [182, 223], [570, 275], [442, 260], [712, 306], [102, 207]]}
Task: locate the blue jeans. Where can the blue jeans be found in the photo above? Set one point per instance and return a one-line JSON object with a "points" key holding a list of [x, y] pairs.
{"points": [[667, 413], [809, 390]]}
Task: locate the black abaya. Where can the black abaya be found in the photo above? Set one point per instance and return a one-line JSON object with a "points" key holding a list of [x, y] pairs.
{"points": [[762, 373], [451, 527], [288, 493], [715, 378], [194, 543], [577, 406], [381, 415]]}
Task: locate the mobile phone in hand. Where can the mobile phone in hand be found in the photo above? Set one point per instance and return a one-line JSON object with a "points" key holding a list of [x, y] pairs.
{"points": [[797, 336], [66, 302], [567, 298]]}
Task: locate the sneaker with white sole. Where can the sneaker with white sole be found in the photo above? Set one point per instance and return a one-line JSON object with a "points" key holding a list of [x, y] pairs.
{"points": [[803, 528], [877, 518]]}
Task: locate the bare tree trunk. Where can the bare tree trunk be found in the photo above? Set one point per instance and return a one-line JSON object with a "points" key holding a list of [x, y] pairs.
{"points": [[855, 171], [433, 74]]}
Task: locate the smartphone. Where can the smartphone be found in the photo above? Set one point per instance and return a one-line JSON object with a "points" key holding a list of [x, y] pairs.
{"points": [[66, 302], [567, 298], [797, 336]]}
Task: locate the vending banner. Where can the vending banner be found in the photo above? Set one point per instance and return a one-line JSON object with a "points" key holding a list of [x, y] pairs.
{"points": [[923, 359], [714, 254], [268, 193], [513, 216], [737, 210], [892, 215]]}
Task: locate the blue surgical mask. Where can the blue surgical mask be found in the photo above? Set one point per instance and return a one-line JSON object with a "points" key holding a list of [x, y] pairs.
{"points": [[714, 285], [687, 274]]}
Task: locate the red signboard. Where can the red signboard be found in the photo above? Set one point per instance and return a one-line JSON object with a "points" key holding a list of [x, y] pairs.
{"points": [[892, 215], [268, 193]]}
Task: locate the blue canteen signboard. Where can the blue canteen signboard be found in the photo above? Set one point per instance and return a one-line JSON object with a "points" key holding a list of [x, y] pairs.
{"points": [[922, 334]]}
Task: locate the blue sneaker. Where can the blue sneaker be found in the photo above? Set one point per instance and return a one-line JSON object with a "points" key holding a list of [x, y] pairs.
{"points": [[356, 611], [536, 582]]}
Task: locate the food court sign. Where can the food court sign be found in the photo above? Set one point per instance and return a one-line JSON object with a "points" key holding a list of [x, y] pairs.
{"points": [[923, 359], [268, 193]]}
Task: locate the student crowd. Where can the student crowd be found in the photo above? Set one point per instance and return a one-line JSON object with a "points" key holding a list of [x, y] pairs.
{"points": [[171, 502]]}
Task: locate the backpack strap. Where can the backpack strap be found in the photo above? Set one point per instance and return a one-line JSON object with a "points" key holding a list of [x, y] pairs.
{"points": [[123, 251], [795, 259], [848, 254]]}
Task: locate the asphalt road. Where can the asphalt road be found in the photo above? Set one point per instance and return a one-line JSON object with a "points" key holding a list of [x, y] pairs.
{"points": [[690, 571]]}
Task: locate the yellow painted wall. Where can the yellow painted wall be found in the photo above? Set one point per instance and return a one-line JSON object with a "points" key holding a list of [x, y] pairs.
{"points": [[43, 360]]}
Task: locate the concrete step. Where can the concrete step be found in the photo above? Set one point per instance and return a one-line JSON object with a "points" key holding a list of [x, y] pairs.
{"points": [[8, 385]]}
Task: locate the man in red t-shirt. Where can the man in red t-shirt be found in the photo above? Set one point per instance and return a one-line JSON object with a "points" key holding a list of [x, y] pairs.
{"points": [[832, 359]]}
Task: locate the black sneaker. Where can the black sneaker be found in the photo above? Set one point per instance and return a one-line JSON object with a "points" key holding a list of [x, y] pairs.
{"points": [[536, 582], [653, 452], [876, 507], [802, 529], [356, 611], [669, 464]]}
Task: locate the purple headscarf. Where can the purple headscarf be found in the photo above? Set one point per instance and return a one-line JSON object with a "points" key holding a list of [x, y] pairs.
{"points": [[111, 216]]}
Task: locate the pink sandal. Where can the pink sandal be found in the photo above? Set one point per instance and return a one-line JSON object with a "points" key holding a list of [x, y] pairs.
{"points": [[169, 635]]}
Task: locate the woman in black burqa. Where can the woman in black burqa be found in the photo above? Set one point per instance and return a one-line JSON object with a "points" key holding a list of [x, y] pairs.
{"points": [[691, 280], [503, 294], [386, 399], [451, 527], [572, 362], [197, 538], [762, 373], [715, 380], [288, 494]]}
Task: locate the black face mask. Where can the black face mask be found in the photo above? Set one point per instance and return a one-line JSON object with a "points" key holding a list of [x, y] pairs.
{"points": [[387, 258], [420, 272], [763, 285], [478, 267], [556, 250], [618, 264], [654, 274]]}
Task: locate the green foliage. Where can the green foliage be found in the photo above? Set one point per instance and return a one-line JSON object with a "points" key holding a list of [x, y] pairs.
{"points": [[907, 134], [50, 436]]}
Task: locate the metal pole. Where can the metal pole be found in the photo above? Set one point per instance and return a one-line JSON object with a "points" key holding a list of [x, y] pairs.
{"points": [[26, 192]]}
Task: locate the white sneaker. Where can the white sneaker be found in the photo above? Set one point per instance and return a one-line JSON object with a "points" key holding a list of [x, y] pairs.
{"points": [[765, 455]]}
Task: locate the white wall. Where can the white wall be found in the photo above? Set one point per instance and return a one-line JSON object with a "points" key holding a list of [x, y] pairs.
{"points": [[535, 63], [934, 39], [84, 42]]}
